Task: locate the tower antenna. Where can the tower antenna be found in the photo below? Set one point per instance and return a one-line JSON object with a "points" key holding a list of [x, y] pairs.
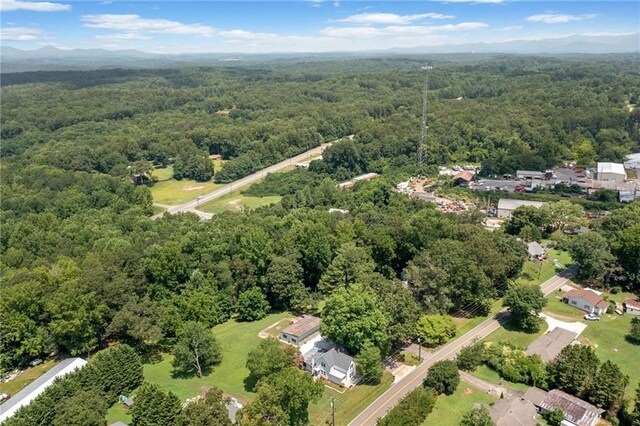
{"points": [[422, 149]]}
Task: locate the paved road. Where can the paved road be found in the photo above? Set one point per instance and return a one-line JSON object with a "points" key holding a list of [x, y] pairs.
{"points": [[391, 397], [192, 206]]}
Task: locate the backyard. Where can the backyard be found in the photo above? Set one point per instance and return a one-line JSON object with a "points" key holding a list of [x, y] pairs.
{"points": [[450, 409]]}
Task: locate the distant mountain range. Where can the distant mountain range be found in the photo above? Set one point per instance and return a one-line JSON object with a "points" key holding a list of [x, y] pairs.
{"points": [[52, 58]]}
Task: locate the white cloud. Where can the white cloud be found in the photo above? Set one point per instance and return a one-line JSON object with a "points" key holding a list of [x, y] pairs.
{"points": [[404, 30], [557, 18], [33, 6], [134, 24], [21, 34], [390, 18], [122, 37]]}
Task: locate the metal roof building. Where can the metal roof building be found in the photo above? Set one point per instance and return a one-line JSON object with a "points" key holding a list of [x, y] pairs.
{"points": [[35, 388], [611, 172], [506, 206]]}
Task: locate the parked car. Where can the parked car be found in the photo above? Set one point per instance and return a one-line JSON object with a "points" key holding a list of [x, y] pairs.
{"points": [[591, 317]]}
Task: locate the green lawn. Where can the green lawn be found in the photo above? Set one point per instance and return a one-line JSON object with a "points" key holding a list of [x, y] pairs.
{"points": [[509, 333], [117, 413], [165, 173], [607, 336], [537, 272], [450, 409], [236, 201], [27, 376], [349, 404], [485, 373], [173, 191]]}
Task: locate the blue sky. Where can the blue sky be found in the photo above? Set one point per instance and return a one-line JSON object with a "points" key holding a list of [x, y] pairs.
{"points": [[302, 26]]}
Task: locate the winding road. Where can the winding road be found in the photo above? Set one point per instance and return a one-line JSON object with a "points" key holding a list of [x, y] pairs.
{"points": [[192, 206], [393, 395]]}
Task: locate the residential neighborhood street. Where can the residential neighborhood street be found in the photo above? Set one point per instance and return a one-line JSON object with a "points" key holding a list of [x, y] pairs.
{"points": [[398, 391], [192, 206]]}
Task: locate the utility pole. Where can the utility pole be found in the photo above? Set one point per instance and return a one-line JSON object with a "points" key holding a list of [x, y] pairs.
{"points": [[419, 349], [422, 155], [333, 411]]}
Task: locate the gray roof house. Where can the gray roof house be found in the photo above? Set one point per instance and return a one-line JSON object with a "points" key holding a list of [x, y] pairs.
{"points": [[336, 367], [549, 345], [535, 250], [35, 388], [513, 411]]}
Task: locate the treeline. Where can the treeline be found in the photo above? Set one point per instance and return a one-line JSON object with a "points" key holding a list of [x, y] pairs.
{"points": [[512, 113]]}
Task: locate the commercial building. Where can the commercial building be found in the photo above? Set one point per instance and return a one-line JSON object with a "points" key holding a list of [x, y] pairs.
{"points": [[611, 172], [507, 206]]}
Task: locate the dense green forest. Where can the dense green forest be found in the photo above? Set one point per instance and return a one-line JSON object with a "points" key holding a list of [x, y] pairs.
{"points": [[83, 265]]}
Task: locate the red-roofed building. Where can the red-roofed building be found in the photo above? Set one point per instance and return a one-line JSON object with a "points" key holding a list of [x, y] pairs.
{"points": [[587, 300], [463, 178], [632, 307]]}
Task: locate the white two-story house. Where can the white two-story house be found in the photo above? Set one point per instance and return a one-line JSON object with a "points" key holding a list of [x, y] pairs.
{"points": [[336, 367]]}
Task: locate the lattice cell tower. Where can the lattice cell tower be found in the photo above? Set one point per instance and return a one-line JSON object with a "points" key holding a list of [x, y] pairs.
{"points": [[422, 149]]}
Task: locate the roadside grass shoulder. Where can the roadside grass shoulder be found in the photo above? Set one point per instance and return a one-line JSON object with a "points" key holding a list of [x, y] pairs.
{"points": [[450, 409]]}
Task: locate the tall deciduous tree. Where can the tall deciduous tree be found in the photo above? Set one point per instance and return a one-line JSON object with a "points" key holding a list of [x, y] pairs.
{"points": [[252, 305], [269, 357], [283, 398], [284, 281], [369, 364], [477, 417], [525, 302], [196, 350], [592, 253], [353, 315], [154, 406], [443, 377], [412, 410], [209, 411], [435, 329]]}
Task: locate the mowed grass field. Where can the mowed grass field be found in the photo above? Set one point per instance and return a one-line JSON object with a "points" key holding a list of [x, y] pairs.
{"points": [[171, 192], [607, 336], [236, 201], [450, 409], [236, 339]]}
